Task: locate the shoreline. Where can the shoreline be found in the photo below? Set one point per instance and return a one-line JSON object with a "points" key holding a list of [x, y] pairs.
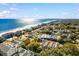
{"points": [[25, 27]]}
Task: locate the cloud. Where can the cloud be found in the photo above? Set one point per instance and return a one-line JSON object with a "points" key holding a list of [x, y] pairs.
{"points": [[8, 13], [65, 13], [4, 13], [35, 9], [12, 8], [5, 4], [78, 9]]}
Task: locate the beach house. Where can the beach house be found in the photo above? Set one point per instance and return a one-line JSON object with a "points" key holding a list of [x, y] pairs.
{"points": [[7, 35], [6, 50]]}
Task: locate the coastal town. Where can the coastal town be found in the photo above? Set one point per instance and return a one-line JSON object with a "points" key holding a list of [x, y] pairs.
{"points": [[53, 38]]}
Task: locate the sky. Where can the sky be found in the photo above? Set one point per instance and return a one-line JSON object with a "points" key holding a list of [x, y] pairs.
{"points": [[39, 10]]}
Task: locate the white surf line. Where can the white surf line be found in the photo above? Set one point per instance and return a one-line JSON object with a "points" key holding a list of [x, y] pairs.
{"points": [[25, 27], [18, 29]]}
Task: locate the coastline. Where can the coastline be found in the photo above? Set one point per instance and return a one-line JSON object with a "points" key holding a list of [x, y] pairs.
{"points": [[25, 27]]}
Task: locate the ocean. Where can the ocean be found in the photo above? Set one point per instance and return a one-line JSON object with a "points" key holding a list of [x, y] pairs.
{"points": [[9, 24]]}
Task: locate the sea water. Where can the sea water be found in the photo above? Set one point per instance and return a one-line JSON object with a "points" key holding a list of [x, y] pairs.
{"points": [[10, 24]]}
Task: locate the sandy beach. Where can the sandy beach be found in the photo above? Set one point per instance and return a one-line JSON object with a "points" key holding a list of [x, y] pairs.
{"points": [[25, 27]]}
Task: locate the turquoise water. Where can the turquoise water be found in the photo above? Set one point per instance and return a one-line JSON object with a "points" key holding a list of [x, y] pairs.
{"points": [[8, 24]]}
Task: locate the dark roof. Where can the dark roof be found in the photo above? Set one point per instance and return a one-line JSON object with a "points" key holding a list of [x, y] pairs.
{"points": [[1, 38], [7, 35], [18, 33]]}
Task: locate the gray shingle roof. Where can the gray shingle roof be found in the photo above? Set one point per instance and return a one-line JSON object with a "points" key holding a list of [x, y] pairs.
{"points": [[4, 48]]}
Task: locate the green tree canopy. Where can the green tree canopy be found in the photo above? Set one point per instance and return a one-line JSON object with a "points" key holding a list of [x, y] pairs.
{"points": [[34, 46], [67, 49]]}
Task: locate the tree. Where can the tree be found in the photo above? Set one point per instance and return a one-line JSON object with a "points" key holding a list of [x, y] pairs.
{"points": [[27, 41], [2, 39], [67, 49], [33, 40], [38, 39], [34, 46], [46, 31], [67, 40], [59, 39]]}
